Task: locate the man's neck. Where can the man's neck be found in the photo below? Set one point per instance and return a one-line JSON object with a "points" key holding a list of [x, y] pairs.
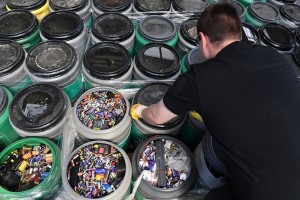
{"points": [[221, 46]]}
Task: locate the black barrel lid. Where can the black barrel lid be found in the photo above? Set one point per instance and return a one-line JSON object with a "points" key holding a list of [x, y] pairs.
{"points": [[153, 93], [12, 56], [3, 100], [17, 24], [26, 4], [51, 59], [62, 25], [158, 60], [190, 5], [112, 6], [146, 5], [194, 57], [286, 1], [239, 7], [73, 5], [112, 27], [38, 107], [157, 28], [291, 12], [263, 11], [188, 30], [249, 34], [277, 36], [107, 60]]}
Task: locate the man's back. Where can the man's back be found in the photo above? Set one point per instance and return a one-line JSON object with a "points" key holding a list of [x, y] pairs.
{"points": [[250, 102]]}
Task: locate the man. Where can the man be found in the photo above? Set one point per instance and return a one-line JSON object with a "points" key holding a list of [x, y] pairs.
{"points": [[249, 98]]}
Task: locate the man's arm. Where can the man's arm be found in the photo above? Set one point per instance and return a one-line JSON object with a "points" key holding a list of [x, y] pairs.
{"points": [[157, 113], [154, 114]]}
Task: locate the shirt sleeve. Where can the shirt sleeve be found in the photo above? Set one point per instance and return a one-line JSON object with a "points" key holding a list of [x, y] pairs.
{"points": [[183, 96]]}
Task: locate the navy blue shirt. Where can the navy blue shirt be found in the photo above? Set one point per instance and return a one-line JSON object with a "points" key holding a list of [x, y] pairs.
{"points": [[249, 98]]}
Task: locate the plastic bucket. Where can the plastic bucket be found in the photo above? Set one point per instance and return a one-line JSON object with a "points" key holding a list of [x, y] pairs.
{"points": [[187, 36], [193, 57], [20, 26], [112, 172], [7, 134], [279, 3], [184, 9], [100, 7], [207, 178], [114, 27], [297, 35], [289, 15], [103, 113], [294, 60], [66, 26], [56, 62], [40, 110], [107, 64], [147, 95], [47, 188], [239, 7], [259, 13], [249, 34], [2, 5], [155, 28], [12, 73], [144, 8], [156, 61], [192, 130], [168, 167], [40, 8], [277, 36], [247, 3], [80, 7]]}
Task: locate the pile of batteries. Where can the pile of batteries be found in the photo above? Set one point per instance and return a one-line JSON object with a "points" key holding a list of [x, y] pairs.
{"points": [[101, 110], [96, 170], [165, 163], [25, 168]]}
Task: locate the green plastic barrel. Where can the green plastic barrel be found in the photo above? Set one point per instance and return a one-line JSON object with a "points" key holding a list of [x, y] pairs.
{"points": [[259, 13], [248, 2], [107, 64], [7, 134], [12, 73], [140, 130], [114, 27], [155, 29], [168, 167], [192, 57], [114, 176], [40, 110], [80, 7], [56, 62], [20, 26], [103, 113], [192, 130], [49, 186]]}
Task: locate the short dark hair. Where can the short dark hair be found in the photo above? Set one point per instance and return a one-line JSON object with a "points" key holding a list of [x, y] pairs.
{"points": [[220, 21]]}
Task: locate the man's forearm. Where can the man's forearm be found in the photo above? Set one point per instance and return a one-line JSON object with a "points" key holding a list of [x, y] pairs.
{"points": [[157, 113]]}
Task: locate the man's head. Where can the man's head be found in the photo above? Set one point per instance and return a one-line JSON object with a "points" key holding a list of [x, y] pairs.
{"points": [[218, 26]]}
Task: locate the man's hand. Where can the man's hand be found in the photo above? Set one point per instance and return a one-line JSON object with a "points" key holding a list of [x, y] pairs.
{"points": [[136, 111]]}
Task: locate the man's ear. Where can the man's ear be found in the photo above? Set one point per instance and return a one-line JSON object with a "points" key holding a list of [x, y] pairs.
{"points": [[203, 45], [203, 39]]}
